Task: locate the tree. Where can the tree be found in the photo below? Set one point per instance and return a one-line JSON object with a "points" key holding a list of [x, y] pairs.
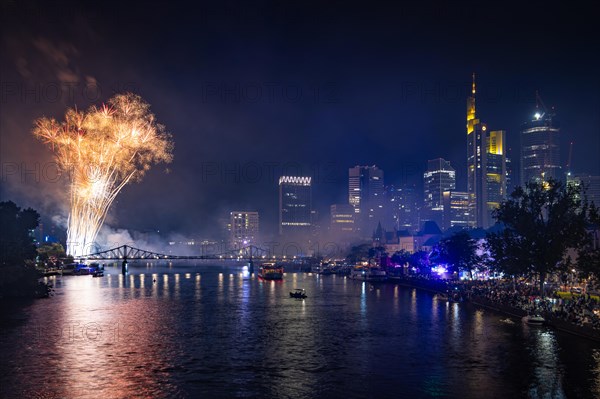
{"points": [[358, 253], [16, 243], [459, 251], [51, 252], [401, 257], [17, 252], [377, 252], [541, 222], [588, 254], [420, 261]]}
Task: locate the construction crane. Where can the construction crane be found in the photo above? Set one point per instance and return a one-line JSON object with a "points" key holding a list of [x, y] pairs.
{"points": [[568, 167]]}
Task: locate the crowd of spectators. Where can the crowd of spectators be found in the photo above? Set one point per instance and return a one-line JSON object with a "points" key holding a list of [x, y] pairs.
{"points": [[581, 310], [578, 309]]}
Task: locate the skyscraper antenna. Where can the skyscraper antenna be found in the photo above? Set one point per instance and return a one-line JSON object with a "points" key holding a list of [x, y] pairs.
{"points": [[473, 89]]}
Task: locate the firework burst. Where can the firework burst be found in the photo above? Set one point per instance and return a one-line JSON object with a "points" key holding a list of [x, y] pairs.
{"points": [[103, 149]]}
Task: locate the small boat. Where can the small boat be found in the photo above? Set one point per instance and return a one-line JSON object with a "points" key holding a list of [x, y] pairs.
{"points": [[298, 293], [507, 321], [98, 273], [442, 296], [535, 320]]}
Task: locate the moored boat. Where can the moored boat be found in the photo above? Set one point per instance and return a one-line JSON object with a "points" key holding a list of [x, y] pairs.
{"points": [[371, 274], [535, 320]]}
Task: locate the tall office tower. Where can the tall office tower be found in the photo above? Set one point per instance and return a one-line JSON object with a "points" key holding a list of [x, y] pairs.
{"points": [[365, 194], [243, 229], [342, 219], [458, 210], [540, 147], [402, 208], [495, 170], [439, 177], [295, 205], [486, 165]]}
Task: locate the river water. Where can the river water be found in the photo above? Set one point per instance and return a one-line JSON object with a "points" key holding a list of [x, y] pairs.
{"points": [[200, 330]]}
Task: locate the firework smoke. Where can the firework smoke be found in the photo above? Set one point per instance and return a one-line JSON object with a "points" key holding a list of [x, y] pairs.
{"points": [[103, 149]]}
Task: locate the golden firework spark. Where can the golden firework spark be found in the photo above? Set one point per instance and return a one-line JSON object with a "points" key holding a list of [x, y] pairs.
{"points": [[103, 149]]}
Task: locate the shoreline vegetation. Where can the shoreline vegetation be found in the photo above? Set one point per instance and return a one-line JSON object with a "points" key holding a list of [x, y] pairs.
{"points": [[20, 278], [23, 282]]}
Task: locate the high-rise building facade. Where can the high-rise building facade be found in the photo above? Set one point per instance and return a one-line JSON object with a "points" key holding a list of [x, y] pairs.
{"points": [[243, 229], [540, 149], [295, 204], [342, 219], [458, 210], [495, 172], [365, 194], [439, 177], [402, 207], [486, 165]]}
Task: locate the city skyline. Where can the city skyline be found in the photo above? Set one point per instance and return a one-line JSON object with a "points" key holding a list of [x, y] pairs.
{"points": [[237, 129]]}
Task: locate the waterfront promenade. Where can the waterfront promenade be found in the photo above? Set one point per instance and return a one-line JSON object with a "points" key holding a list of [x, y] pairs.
{"points": [[578, 315]]}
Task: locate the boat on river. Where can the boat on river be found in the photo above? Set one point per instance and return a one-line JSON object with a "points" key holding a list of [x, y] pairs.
{"points": [[270, 271], [534, 319], [298, 293], [370, 274]]}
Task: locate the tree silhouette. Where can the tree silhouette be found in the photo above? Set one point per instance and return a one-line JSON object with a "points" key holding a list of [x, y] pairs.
{"points": [[16, 243], [541, 222], [459, 252]]}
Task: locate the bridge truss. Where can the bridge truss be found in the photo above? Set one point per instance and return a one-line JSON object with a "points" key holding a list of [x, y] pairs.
{"points": [[131, 253]]}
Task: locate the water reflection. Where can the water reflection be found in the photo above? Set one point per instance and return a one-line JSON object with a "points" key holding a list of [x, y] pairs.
{"points": [[211, 331], [547, 382]]}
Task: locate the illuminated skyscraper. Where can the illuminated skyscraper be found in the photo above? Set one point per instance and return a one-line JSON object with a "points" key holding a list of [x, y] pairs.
{"points": [[365, 194], [439, 177], [342, 219], [294, 204], [540, 147], [458, 210], [486, 165], [243, 229], [402, 207]]}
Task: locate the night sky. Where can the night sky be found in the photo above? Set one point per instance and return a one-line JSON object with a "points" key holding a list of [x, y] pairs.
{"points": [[251, 91]]}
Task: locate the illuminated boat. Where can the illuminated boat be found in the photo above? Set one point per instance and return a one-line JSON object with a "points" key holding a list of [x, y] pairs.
{"points": [[371, 274], [270, 271], [358, 273]]}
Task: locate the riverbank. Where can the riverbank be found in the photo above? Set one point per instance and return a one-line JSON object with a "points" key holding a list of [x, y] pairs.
{"points": [[441, 287], [22, 282]]}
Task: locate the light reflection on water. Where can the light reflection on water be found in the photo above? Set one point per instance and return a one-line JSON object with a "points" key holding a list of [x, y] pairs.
{"points": [[190, 331]]}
